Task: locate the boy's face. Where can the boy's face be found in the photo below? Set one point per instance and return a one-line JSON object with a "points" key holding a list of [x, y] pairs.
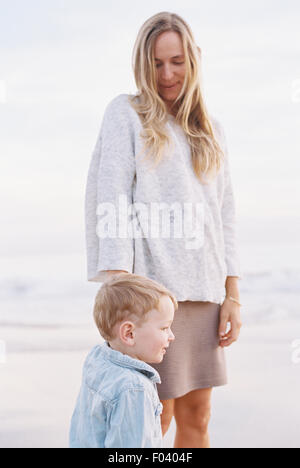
{"points": [[155, 335]]}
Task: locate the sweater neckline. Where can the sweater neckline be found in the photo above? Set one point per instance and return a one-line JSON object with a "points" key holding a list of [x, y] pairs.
{"points": [[172, 120]]}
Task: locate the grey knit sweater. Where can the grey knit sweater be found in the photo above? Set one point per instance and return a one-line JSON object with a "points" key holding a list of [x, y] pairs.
{"points": [[161, 223]]}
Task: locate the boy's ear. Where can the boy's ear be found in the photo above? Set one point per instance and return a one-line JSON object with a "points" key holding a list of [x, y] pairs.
{"points": [[127, 333]]}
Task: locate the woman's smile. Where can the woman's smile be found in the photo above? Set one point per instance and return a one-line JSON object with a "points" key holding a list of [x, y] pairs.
{"points": [[170, 87]]}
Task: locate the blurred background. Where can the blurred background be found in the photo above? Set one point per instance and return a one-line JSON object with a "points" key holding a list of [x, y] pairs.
{"points": [[61, 64]]}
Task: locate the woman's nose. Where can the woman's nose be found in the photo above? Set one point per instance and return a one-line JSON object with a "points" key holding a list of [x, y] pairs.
{"points": [[171, 336], [166, 73]]}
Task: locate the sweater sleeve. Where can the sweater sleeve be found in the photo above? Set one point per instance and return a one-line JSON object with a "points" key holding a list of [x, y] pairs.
{"points": [[109, 193], [228, 212]]}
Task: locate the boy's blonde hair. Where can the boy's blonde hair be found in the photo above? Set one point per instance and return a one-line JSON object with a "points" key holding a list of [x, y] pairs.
{"points": [[125, 296]]}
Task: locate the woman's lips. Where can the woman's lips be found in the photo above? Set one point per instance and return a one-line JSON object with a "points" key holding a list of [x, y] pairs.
{"points": [[170, 87]]}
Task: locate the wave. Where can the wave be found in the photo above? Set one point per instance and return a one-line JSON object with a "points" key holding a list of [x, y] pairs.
{"points": [[285, 280], [266, 295]]}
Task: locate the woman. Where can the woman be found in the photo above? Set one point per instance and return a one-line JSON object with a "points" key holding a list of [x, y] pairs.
{"points": [[200, 266]]}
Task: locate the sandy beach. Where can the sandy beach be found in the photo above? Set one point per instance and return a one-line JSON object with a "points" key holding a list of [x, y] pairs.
{"points": [[41, 378], [62, 64]]}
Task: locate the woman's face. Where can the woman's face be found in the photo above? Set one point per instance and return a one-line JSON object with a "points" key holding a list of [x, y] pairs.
{"points": [[170, 66]]}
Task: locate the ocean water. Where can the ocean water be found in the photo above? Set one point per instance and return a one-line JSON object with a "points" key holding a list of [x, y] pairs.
{"points": [[47, 290]]}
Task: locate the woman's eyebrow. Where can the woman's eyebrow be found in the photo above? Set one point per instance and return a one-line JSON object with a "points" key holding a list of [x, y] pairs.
{"points": [[175, 56]]}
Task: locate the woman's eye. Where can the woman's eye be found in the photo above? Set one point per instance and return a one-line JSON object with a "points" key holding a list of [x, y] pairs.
{"points": [[175, 63]]}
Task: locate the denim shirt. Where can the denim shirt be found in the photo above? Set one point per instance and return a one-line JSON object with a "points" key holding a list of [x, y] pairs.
{"points": [[118, 404]]}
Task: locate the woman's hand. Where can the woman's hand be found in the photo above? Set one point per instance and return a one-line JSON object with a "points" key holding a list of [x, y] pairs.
{"points": [[110, 273], [230, 313]]}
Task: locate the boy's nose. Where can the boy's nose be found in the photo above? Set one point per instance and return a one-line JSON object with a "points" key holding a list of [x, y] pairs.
{"points": [[172, 336]]}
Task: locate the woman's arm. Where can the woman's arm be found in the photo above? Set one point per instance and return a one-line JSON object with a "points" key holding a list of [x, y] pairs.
{"points": [[109, 193], [230, 309], [230, 313], [232, 287], [228, 213]]}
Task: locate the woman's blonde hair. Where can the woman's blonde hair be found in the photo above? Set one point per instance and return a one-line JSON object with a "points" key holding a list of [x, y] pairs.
{"points": [[192, 114], [126, 296]]}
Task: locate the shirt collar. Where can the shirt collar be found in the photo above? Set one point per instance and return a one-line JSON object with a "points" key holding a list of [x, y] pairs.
{"points": [[127, 361]]}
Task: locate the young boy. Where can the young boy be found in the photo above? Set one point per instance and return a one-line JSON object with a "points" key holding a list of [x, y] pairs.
{"points": [[118, 404]]}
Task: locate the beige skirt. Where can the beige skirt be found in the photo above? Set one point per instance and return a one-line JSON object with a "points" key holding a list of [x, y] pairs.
{"points": [[194, 359]]}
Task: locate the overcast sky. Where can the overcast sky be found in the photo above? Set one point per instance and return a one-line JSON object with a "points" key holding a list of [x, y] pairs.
{"points": [[61, 62]]}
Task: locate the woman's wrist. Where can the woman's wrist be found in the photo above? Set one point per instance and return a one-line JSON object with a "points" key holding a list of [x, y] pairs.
{"points": [[232, 287], [110, 273], [233, 300]]}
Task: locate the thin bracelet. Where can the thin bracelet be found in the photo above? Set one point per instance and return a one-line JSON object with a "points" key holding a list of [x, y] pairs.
{"points": [[234, 300]]}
